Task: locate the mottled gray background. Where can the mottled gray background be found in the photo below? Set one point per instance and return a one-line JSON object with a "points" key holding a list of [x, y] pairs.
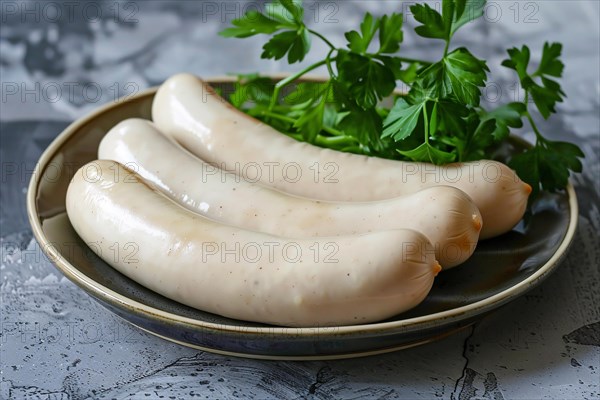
{"points": [[59, 60]]}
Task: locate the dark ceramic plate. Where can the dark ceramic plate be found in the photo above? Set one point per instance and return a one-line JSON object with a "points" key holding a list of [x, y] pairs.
{"points": [[501, 269]]}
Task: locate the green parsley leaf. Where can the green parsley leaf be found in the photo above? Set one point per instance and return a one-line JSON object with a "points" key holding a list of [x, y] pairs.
{"points": [[527, 167], [451, 117], [296, 44], [428, 153], [407, 75], [282, 15], [448, 12], [433, 25], [551, 64], [459, 74], [287, 12], [305, 92], [365, 126], [359, 42], [478, 138], [368, 81], [394, 64], [568, 154], [402, 120], [252, 23], [390, 33], [546, 95], [455, 14], [505, 116], [331, 117], [311, 122], [519, 60], [251, 88], [467, 11], [547, 165], [465, 74]]}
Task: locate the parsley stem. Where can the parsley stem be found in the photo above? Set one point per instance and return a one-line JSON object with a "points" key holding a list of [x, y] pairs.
{"points": [[335, 140], [278, 116], [403, 59], [538, 135], [279, 85], [323, 38], [335, 133], [338, 137], [329, 68], [446, 48], [426, 121]]}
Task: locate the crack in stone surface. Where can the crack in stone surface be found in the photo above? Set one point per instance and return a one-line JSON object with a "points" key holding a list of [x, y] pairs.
{"points": [[321, 378], [465, 368]]}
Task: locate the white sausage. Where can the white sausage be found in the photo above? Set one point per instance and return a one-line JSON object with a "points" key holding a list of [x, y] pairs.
{"points": [[370, 277], [445, 215], [205, 124]]}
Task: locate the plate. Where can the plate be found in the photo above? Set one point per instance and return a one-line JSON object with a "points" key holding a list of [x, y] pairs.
{"points": [[501, 269]]}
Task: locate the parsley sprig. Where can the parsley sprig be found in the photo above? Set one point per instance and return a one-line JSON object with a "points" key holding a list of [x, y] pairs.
{"points": [[547, 164], [439, 120]]}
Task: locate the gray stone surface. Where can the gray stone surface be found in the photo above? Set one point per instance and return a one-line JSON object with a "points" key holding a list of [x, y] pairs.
{"points": [[57, 343]]}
